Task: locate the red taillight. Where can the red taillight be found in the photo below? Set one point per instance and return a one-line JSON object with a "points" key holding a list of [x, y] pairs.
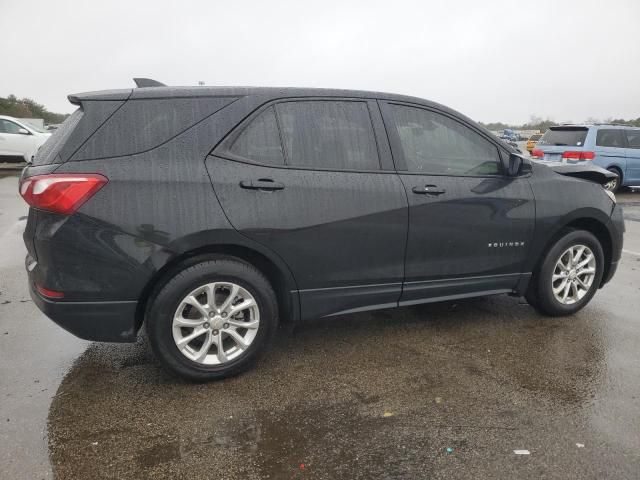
{"points": [[570, 155], [45, 292], [60, 192], [536, 152]]}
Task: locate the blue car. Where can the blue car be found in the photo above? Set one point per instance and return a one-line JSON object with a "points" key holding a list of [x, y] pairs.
{"points": [[614, 147]]}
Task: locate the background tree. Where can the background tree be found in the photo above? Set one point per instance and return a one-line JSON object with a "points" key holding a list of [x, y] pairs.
{"points": [[28, 108]]}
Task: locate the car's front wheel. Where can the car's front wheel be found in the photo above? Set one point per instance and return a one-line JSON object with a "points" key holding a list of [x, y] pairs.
{"points": [[569, 275], [213, 319]]}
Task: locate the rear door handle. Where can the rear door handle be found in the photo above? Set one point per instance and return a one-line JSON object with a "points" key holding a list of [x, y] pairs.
{"points": [[265, 184], [428, 190]]}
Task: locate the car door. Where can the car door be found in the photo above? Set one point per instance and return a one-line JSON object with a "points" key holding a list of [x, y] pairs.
{"points": [[633, 156], [12, 142], [469, 225], [307, 179], [610, 149]]}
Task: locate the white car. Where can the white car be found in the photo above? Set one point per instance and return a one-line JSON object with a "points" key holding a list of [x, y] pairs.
{"points": [[20, 139]]}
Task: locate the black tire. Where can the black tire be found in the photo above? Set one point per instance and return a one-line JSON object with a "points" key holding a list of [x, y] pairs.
{"points": [[540, 292], [615, 184], [165, 302]]}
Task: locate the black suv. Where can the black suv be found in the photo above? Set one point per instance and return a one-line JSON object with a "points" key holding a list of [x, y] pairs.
{"points": [[212, 214]]}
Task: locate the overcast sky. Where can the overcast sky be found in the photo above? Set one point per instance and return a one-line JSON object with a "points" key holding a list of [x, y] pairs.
{"points": [[492, 60]]}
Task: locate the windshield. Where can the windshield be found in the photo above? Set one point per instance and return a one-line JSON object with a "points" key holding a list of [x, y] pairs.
{"points": [[564, 136], [535, 137]]}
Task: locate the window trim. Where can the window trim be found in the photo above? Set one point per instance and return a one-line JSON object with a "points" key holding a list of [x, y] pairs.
{"points": [[398, 152], [223, 149]]}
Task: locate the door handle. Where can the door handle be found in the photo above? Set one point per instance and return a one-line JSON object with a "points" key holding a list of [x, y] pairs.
{"points": [[428, 190], [264, 184]]}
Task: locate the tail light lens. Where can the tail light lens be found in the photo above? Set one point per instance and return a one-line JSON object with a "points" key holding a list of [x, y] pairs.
{"points": [[49, 293], [537, 153], [61, 193], [569, 155]]}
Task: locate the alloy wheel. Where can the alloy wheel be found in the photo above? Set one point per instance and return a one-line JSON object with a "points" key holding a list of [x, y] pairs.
{"points": [[216, 323], [573, 274], [611, 185]]}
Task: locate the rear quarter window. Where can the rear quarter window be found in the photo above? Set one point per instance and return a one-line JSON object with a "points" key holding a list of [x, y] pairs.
{"points": [[564, 136], [260, 140], [141, 125], [49, 152]]}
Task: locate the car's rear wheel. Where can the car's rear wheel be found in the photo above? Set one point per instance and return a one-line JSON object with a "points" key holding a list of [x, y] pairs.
{"points": [[569, 275], [213, 319], [613, 185]]}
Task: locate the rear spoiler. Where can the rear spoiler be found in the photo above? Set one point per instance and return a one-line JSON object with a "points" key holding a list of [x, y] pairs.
{"points": [[593, 173], [122, 94]]}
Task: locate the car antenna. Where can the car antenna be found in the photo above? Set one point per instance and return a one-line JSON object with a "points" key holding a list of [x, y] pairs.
{"points": [[147, 82]]}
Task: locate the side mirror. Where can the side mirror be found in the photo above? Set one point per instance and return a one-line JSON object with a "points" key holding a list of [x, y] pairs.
{"points": [[518, 165], [23, 131]]}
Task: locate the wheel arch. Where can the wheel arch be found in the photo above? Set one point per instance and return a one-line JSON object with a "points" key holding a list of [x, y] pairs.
{"points": [[268, 263], [591, 224]]}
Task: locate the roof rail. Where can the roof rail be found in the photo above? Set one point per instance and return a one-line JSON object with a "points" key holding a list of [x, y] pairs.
{"points": [[147, 82]]}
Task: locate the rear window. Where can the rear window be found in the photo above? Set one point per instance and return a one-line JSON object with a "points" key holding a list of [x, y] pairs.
{"points": [[48, 152], [535, 137], [564, 136]]}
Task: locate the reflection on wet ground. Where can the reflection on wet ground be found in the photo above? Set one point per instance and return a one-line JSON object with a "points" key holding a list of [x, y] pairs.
{"points": [[380, 395]]}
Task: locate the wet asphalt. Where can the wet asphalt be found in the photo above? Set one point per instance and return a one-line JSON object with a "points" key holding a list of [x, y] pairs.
{"points": [[444, 390]]}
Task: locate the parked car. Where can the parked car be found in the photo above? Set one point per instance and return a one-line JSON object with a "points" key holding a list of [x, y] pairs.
{"points": [[509, 135], [614, 147], [221, 212], [533, 140], [20, 139]]}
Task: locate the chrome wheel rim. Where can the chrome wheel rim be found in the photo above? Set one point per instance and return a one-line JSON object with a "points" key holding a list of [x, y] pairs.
{"points": [[573, 274], [216, 323]]}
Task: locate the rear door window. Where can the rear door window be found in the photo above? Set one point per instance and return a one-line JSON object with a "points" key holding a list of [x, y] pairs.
{"points": [[328, 134], [633, 138], [609, 137], [260, 140], [564, 136]]}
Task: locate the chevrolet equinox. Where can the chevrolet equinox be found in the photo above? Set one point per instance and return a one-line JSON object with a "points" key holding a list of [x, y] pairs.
{"points": [[212, 214]]}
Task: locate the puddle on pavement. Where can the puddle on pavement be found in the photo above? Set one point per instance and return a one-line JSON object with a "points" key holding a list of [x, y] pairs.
{"points": [[366, 396]]}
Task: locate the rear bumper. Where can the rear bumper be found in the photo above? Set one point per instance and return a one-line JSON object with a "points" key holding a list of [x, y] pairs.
{"points": [[97, 321]]}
